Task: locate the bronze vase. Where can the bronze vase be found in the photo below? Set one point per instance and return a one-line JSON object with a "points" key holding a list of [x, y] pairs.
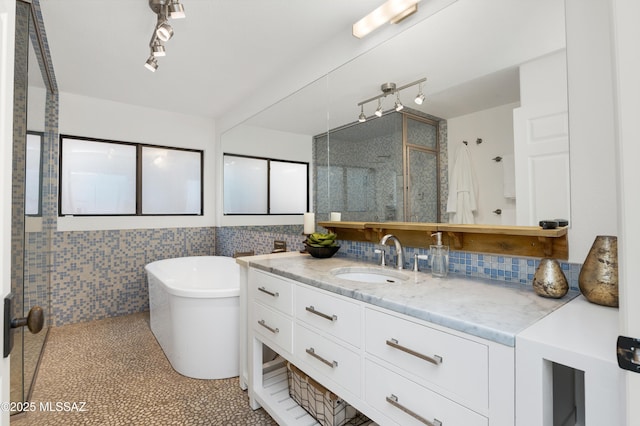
{"points": [[598, 278], [549, 280]]}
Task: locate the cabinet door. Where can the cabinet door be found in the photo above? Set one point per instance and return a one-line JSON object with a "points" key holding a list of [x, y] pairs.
{"points": [[451, 365]]}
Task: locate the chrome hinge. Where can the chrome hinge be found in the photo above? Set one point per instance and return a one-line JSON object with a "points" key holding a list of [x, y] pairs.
{"points": [[628, 351]]}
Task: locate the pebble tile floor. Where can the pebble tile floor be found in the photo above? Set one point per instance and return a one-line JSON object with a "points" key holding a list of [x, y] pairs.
{"points": [[117, 369]]}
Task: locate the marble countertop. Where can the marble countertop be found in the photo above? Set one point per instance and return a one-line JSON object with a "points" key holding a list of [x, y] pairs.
{"points": [[493, 310]]}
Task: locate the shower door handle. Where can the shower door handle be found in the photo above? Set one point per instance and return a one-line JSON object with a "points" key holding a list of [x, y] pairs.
{"points": [[34, 322]]}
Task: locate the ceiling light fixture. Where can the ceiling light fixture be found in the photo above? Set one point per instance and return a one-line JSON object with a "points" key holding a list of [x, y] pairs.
{"points": [[163, 31], [393, 11], [390, 89]]}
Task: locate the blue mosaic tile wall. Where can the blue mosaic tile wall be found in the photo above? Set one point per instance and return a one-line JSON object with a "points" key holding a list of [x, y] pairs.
{"points": [[100, 274], [258, 239], [501, 268]]}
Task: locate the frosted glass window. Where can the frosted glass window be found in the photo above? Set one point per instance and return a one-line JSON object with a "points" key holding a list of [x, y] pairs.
{"points": [[98, 178], [245, 185], [32, 204], [171, 181], [289, 184]]}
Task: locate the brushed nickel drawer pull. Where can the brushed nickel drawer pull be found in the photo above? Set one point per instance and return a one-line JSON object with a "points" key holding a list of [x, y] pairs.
{"points": [[312, 352], [320, 314], [270, 293], [393, 400], [271, 329], [436, 359]]}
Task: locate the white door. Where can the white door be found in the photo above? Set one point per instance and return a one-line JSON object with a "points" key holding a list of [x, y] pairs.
{"points": [[541, 141], [626, 35], [541, 152], [7, 35]]}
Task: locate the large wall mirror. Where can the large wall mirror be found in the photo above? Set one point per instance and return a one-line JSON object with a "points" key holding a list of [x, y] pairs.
{"points": [[496, 79]]}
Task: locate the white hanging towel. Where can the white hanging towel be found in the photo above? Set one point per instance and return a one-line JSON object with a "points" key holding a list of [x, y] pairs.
{"points": [[463, 189]]}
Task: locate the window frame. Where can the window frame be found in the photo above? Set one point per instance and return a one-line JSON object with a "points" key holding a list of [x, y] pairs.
{"points": [[268, 180], [40, 175], [138, 174]]}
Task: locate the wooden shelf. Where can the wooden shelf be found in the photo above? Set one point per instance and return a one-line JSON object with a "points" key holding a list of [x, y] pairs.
{"points": [[498, 239]]}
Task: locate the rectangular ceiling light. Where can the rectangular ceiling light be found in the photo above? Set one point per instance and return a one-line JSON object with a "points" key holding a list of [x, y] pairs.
{"points": [[392, 11]]}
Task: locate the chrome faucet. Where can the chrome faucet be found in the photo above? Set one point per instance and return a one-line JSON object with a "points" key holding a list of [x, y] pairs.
{"points": [[399, 251]]}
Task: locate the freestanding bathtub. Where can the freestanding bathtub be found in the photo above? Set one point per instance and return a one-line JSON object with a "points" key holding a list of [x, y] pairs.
{"points": [[194, 304]]}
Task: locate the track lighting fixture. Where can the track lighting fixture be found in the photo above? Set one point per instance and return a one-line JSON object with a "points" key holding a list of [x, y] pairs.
{"points": [[391, 89], [164, 9]]}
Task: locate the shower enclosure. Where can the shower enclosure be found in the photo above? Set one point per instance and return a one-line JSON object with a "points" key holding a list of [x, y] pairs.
{"points": [[385, 169], [32, 197]]}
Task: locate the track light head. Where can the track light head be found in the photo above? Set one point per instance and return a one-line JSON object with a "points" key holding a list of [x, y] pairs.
{"points": [[176, 10], [420, 96], [398, 105], [378, 112], [151, 64], [164, 31], [157, 49], [362, 118]]}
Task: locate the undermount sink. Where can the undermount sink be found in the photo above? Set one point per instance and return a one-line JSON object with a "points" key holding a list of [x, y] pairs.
{"points": [[365, 274]]}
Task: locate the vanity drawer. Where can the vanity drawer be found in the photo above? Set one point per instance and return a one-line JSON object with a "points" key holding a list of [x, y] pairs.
{"points": [[403, 401], [273, 291], [331, 359], [330, 314], [273, 325], [451, 365]]}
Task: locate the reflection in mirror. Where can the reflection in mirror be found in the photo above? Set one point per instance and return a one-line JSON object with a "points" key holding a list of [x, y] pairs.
{"points": [[33, 184], [361, 174], [496, 71]]}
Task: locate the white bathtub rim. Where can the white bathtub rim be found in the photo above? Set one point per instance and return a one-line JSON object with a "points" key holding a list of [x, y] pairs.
{"points": [[176, 287]]}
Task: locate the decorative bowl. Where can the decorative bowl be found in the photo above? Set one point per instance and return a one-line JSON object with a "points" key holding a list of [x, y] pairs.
{"points": [[322, 252]]}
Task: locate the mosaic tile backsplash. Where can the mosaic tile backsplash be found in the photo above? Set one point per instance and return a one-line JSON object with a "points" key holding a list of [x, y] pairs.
{"points": [[99, 274], [502, 268]]}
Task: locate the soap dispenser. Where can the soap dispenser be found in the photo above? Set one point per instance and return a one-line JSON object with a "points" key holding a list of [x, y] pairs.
{"points": [[439, 256]]}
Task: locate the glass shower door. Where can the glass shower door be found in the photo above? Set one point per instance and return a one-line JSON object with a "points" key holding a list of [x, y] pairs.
{"points": [[30, 231], [422, 175]]}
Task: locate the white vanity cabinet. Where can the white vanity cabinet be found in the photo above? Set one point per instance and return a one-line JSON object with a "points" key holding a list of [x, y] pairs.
{"points": [[394, 368]]}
